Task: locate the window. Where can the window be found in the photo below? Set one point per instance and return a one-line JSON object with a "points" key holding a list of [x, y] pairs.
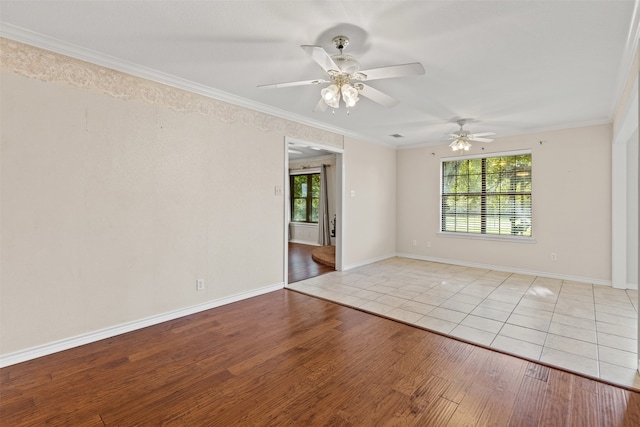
{"points": [[305, 197], [487, 195]]}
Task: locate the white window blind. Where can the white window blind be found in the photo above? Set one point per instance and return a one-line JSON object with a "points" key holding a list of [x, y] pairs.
{"points": [[487, 195]]}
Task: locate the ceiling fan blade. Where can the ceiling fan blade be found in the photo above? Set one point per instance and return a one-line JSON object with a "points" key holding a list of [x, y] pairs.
{"points": [[484, 134], [413, 69], [300, 83], [321, 56], [377, 96], [321, 106], [476, 139]]}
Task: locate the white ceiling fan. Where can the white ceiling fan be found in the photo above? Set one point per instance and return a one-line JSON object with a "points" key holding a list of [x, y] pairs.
{"points": [[461, 139], [345, 77]]}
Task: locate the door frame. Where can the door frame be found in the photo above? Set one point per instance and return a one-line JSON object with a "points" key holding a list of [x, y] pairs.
{"points": [[339, 201]]}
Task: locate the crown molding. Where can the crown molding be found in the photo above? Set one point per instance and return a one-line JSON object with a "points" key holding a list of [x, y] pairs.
{"points": [[628, 56], [38, 40], [511, 134]]}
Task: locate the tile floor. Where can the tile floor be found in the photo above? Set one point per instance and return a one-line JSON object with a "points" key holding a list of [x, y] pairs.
{"points": [[584, 328]]}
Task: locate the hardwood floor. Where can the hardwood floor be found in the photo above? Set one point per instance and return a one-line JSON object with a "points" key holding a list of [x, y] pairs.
{"points": [[301, 265], [285, 358]]}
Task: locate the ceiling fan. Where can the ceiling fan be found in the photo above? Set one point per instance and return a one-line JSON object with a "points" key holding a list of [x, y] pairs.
{"points": [[462, 137], [345, 77]]}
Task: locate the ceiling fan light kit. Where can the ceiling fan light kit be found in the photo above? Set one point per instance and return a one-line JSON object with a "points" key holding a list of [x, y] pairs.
{"points": [[460, 145], [345, 77], [462, 138], [341, 79]]}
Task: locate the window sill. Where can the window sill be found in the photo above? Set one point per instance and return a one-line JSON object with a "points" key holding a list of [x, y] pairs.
{"points": [[304, 224], [492, 237]]}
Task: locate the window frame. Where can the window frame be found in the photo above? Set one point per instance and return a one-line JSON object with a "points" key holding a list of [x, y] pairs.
{"points": [[309, 173], [483, 236]]}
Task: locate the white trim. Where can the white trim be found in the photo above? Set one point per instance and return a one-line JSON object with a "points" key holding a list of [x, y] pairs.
{"points": [[304, 242], [329, 158], [494, 237], [68, 343], [527, 132], [486, 155], [304, 224], [508, 270], [369, 261], [308, 171], [340, 211], [628, 55], [287, 213], [619, 187], [619, 211], [291, 141]]}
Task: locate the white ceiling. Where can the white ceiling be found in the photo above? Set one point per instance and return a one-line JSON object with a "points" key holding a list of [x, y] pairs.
{"points": [[513, 66]]}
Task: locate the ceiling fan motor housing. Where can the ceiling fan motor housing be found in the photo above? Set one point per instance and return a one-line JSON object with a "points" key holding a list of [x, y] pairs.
{"points": [[347, 63], [341, 42]]}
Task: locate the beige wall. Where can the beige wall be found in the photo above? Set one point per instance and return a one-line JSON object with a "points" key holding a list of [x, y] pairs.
{"points": [[571, 206], [118, 193], [112, 209], [370, 200]]}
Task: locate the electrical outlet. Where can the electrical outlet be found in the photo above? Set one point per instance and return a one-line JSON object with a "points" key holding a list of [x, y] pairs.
{"points": [[554, 256], [200, 285], [428, 244], [415, 243]]}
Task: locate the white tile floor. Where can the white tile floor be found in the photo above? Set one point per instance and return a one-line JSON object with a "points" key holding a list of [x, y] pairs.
{"points": [[583, 328]]}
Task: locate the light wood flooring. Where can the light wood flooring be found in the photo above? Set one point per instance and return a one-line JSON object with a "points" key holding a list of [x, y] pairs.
{"points": [[285, 358]]}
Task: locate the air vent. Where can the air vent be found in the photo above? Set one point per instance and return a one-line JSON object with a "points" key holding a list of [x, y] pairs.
{"points": [[397, 135]]}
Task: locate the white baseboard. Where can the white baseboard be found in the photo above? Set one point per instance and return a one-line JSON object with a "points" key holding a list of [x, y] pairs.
{"points": [[67, 343], [304, 242], [509, 270], [369, 261]]}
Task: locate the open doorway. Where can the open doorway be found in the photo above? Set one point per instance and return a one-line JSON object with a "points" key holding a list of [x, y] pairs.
{"points": [[308, 168]]}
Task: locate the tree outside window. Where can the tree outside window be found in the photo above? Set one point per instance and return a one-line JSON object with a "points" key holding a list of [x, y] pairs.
{"points": [[305, 197], [487, 195]]}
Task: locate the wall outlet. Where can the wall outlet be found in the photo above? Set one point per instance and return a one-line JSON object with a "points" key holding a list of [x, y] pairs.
{"points": [[415, 243], [277, 190], [554, 256], [200, 285], [428, 244]]}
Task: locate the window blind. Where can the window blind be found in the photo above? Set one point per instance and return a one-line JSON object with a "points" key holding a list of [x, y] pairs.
{"points": [[487, 195]]}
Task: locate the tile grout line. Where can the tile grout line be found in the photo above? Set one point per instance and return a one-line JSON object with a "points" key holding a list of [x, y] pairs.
{"points": [[433, 277]]}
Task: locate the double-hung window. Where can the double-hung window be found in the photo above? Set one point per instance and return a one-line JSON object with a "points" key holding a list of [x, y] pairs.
{"points": [[488, 195], [305, 197]]}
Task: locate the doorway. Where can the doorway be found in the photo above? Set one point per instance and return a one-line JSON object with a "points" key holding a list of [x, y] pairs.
{"points": [[301, 237]]}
